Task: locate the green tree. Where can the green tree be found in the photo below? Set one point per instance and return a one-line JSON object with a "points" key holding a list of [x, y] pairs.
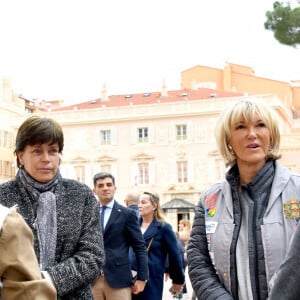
{"points": [[284, 21]]}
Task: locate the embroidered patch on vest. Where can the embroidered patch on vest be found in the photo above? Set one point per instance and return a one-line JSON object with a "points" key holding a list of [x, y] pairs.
{"points": [[292, 209], [210, 203]]}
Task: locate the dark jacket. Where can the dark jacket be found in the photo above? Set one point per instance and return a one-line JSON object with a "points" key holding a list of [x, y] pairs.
{"points": [[163, 244], [121, 232], [79, 249], [135, 208], [286, 285]]}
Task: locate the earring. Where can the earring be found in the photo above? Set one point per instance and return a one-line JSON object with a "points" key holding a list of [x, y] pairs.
{"points": [[231, 150]]}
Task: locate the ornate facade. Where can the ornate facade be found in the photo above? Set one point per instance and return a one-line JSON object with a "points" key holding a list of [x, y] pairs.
{"points": [[161, 142]]}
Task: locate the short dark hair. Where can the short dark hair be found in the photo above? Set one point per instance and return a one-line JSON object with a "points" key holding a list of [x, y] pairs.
{"points": [[102, 175], [38, 130]]}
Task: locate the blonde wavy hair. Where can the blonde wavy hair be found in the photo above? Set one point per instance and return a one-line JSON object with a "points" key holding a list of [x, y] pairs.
{"points": [[158, 213], [246, 110]]}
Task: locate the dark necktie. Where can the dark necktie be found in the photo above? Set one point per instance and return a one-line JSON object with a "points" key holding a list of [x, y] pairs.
{"points": [[102, 217]]}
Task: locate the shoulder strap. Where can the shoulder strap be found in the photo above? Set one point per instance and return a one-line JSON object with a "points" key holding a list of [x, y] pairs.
{"points": [[149, 245]]}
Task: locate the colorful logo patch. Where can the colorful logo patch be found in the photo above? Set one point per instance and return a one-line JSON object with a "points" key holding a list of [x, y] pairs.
{"points": [[292, 209], [210, 212], [210, 203]]}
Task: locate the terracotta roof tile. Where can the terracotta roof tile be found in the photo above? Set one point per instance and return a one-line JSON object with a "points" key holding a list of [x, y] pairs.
{"points": [[150, 98]]}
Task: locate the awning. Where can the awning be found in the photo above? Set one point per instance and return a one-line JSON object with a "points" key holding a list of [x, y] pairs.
{"points": [[178, 203]]}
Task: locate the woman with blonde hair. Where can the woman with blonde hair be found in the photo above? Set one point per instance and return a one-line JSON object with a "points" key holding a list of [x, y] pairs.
{"points": [[243, 225], [161, 244]]}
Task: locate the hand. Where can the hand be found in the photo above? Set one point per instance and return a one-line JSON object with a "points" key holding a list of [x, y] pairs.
{"points": [[175, 288], [167, 276], [138, 286]]}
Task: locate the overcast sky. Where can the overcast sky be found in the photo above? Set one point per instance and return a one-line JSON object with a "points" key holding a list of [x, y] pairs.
{"points": [[67, 49]]}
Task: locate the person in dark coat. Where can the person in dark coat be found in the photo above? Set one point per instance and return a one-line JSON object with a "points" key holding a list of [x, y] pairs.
{"points": [[120, 232], [286, 282], [161, 244], [62, 213]]}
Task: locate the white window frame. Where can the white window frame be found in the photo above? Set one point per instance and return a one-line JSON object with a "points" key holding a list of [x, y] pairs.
{"points": [[105, 136], [182, 171], [80, 172], [181, 132], [143, 173], [143, 134]]}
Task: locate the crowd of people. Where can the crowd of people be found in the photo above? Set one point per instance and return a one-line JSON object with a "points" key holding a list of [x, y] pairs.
{"points": [[91, 258], [243, 243]]}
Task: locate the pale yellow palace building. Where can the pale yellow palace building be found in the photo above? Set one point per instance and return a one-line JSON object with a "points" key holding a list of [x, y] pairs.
{"points": [[155, 141]]}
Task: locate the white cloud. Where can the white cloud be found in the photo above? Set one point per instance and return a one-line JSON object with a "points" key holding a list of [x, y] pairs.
{"points": [[69, 49]]}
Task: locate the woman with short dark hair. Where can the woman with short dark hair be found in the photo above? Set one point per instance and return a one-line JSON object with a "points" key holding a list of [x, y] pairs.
{"points": [[62, 213]]}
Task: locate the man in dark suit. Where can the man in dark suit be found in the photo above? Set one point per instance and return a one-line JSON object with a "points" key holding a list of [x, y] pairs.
{"points": [[120, 232]]}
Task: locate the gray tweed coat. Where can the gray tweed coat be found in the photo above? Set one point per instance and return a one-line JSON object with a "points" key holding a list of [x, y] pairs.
{"points": [[79, 249]]}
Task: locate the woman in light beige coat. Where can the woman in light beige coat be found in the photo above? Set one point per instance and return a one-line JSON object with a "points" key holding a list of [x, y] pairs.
{"points": [[19, 270]]}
